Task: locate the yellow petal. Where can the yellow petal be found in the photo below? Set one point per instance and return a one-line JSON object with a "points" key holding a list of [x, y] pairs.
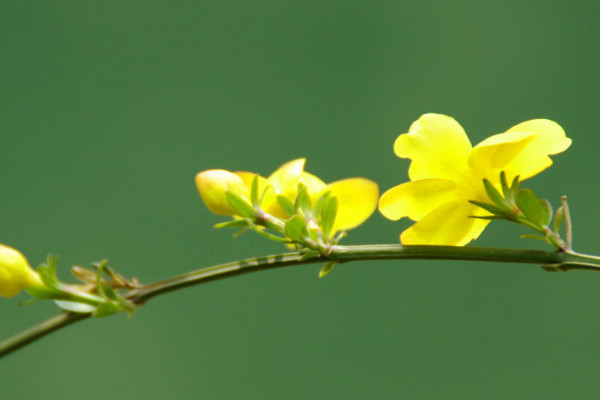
{"points": [[285, 179], [550, 139], [312, 183], [357, 199], [416, 199], [437, 145], [285, 182], [212, 185], [494, 154], [15, 272], [448, 225], [265, 190]]}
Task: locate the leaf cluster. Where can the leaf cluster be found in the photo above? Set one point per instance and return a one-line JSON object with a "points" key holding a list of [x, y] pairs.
{"points": [[97, 295], [308, 227], [522, 206]]}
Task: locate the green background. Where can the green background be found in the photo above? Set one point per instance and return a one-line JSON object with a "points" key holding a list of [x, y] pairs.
{"points": [[109, 108]]}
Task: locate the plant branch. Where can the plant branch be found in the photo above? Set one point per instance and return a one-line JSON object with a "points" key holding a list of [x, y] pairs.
{"points": [[339, 254]]}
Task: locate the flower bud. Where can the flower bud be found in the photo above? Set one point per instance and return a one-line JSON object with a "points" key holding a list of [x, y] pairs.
{"points": [[15, 272], [212, 185]]}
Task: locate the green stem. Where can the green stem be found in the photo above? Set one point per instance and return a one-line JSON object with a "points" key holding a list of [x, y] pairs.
{"points": [[38, 331], [564, 261]]}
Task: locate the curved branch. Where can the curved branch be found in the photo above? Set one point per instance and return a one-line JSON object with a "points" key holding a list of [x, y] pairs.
{"points": [[39, 331], [339, 254]]}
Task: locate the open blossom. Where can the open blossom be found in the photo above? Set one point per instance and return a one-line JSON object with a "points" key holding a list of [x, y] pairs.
{"points": [[15, 272], [357, 197], [446, 172]]}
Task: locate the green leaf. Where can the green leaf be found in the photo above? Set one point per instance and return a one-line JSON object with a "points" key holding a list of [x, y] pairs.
{"points": [[326, 269], [532, 236], [505, 189], [546, 212], [488, 217], [47, 272], [236, 223], [320, 203], [328, 215], [514, 186], [313, 234], [99, 282], [533, 209], [42, 292], [490, 208], [295, 229], [286, 205], [261, 231], [309, 255], [239, 232], [75, 307], [106, 309], [240, 205], [254, 192], [303, 205], [110, 292], [493, 194], [558, 219]]}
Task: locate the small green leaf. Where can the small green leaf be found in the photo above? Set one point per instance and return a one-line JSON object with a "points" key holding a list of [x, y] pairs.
{"points": [[75, 307], [254, 191], [42, 292], [505, 189], [46, 275], [326, 269], [490, 208], [328, 215], [303, 205], [532, 236], [286, 205], [319, 204], [236, 223], [309, 255], [295, 229], [313, 234], [239, 232], [488, 217], [546, 212], [493, 194], [240, 205], [110, 292], [261, 231], [99, 282], [558, 219], [514, 186], [532, 207], [105, 309], [47, 272]]}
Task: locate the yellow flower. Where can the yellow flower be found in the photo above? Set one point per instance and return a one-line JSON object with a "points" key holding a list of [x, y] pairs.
{"points": [[15, 272], [447, 171], [357, 197], [212, 185]]}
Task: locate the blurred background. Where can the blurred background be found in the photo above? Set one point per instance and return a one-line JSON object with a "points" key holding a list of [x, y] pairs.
{"points": [[108, 110]]}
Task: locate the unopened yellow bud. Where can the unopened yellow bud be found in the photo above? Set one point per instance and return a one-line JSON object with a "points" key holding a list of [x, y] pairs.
{"points": [[212, 185], [15, 272]]}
